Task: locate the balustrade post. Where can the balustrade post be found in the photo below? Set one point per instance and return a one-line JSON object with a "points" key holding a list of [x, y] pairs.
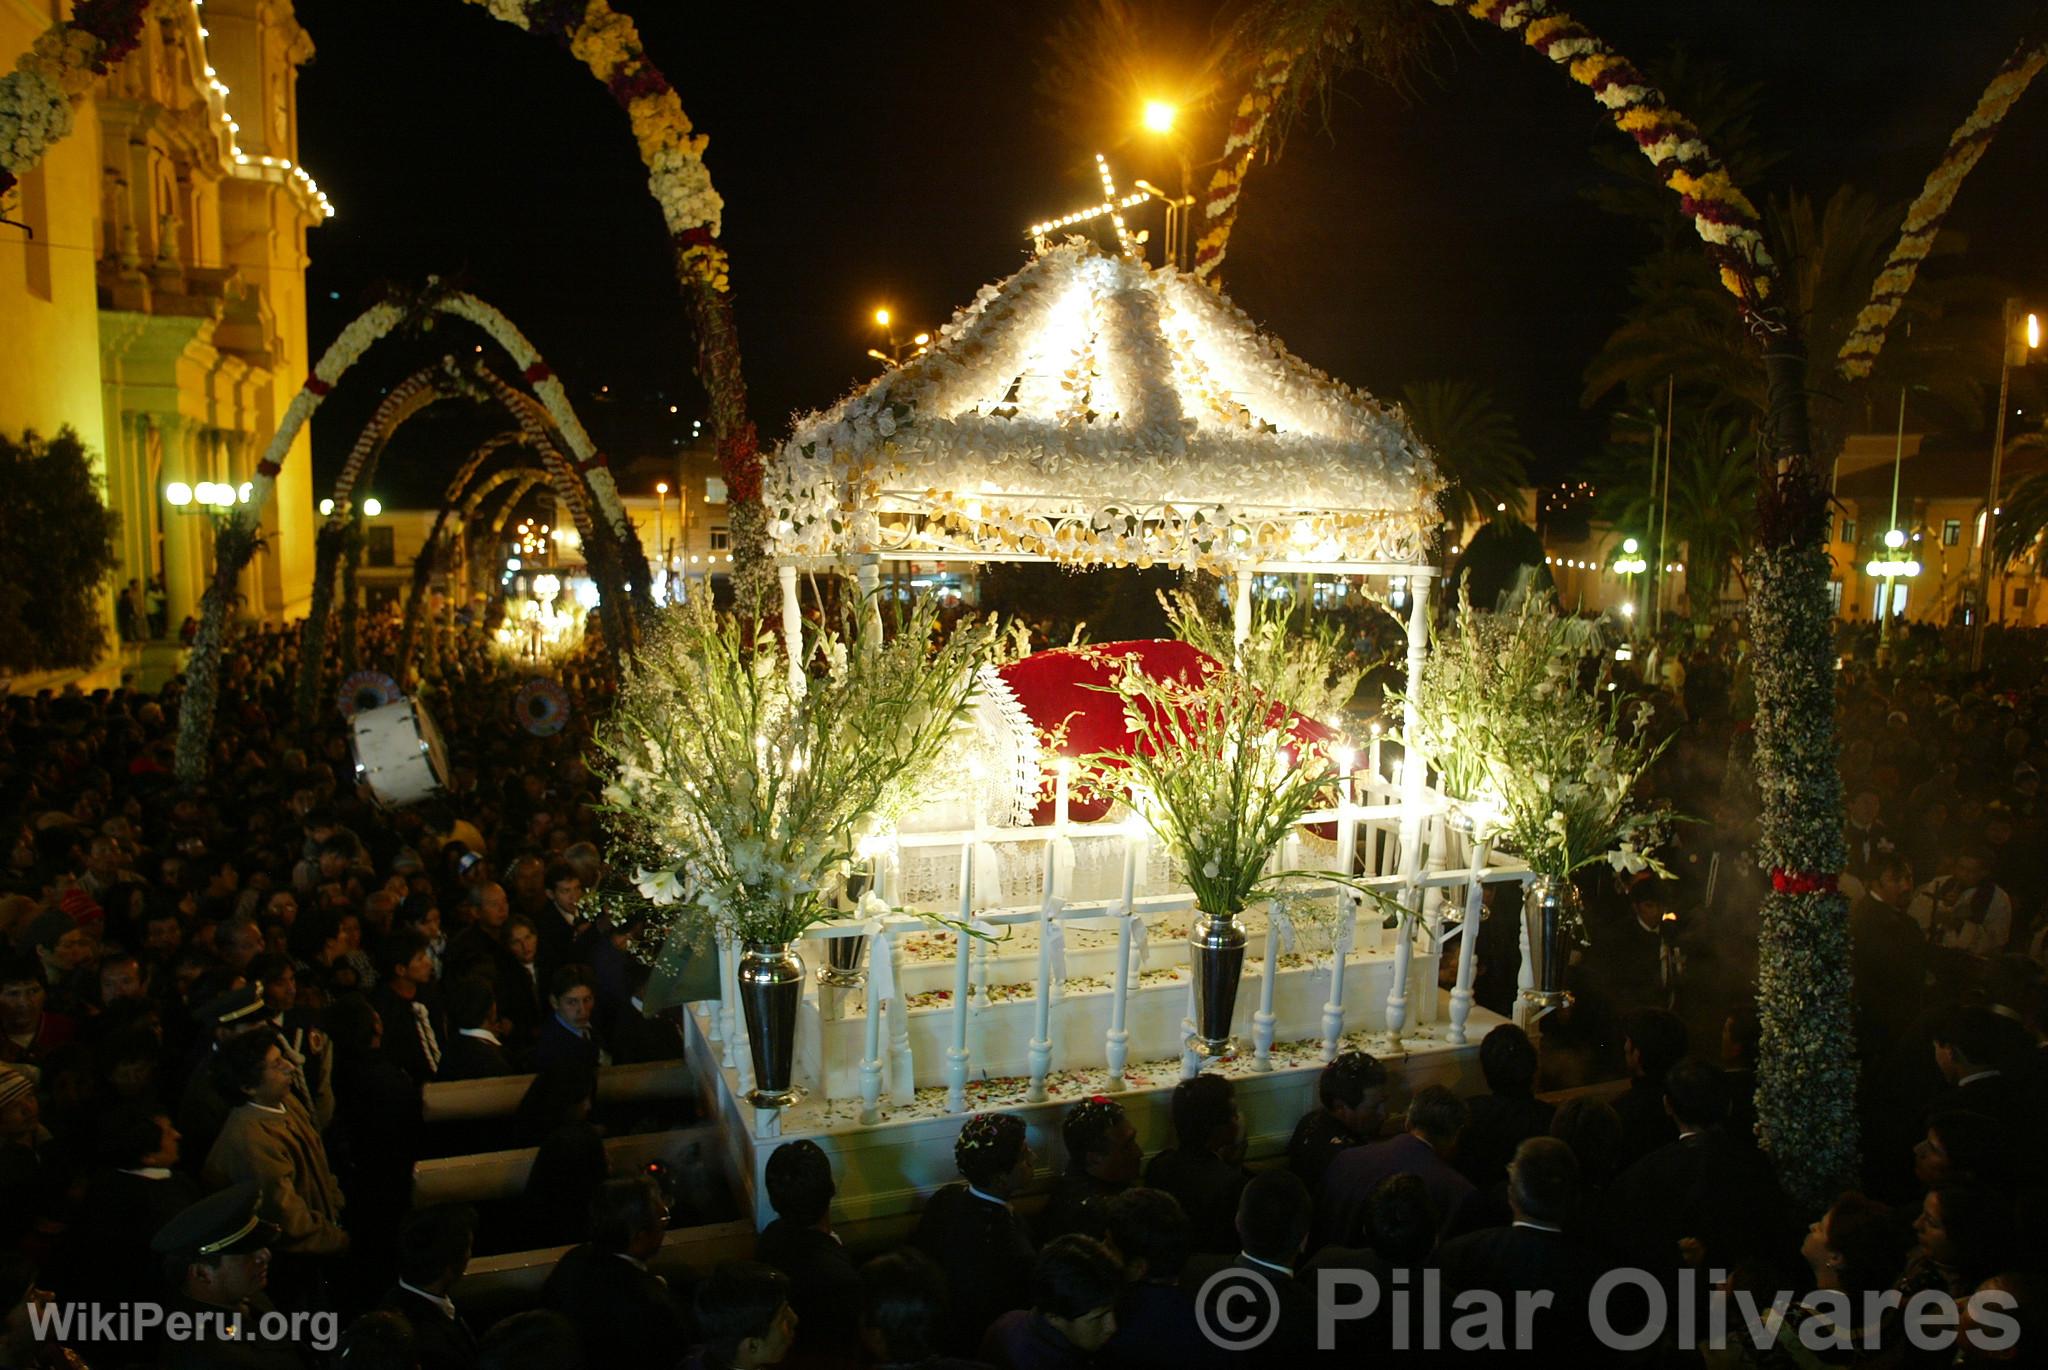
{"points": [[1263, 1020], [1041, 1041], [871, 1038], [956, 1055], [1468, 938]]}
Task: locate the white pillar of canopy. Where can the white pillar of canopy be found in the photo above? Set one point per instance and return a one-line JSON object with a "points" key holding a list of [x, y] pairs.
{"points": [[1414, 785]]}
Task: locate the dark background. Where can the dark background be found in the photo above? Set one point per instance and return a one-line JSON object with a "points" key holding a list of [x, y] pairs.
{"points": [[893, 154]]}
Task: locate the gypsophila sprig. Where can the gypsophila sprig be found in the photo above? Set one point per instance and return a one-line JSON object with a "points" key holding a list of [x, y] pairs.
{"points": [[744, 799], [1487, 675], [1565, 779]]}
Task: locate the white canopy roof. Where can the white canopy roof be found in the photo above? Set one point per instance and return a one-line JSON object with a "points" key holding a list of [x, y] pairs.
{"points": [[1094, 411]]}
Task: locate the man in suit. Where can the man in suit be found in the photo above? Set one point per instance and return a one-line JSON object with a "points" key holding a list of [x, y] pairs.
{"points": [[824, 1285], [1274, 1217], [1435, 1118], [1204, 1168], [1156, 1326], [474, 1051], [1978, 1052], [433, 1250], [104, 1254], [1103, 1157], [1888, 956], [1350, 1097], [1508, 1113], [1701, 1187], [970, 1229], [485, 947], [1653, 1040], [1533, 1254], [624, 1313], [415, 1028], [567, 1037], [528, 1008]]}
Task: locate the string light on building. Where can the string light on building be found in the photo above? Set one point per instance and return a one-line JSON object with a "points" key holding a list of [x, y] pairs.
{"points": [[278, 170]]}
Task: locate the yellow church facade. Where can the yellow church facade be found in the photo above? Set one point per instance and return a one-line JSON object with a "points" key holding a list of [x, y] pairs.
{"points": [[152, 289]]}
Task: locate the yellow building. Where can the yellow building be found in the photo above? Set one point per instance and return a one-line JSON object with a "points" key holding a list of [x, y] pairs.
{"points": [[153, 293], [1942, 487]]}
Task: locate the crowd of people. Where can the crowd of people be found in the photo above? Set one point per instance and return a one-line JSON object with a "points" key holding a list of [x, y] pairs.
{"points": [[219, 1010]]}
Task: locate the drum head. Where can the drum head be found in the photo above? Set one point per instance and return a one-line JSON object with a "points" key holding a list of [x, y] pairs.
{"points": [[399, 753]]}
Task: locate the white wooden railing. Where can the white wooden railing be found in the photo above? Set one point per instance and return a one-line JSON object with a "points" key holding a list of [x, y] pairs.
{"points": [[1374, 818]]}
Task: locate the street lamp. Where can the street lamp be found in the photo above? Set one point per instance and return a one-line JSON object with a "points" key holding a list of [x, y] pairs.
{"points": [[1159, 118], [372, 507], [2018, 342], [1631, 564], [898, 352]]}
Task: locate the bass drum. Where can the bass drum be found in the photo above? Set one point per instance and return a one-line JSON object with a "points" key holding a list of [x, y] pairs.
{"points": [[399, 753]]}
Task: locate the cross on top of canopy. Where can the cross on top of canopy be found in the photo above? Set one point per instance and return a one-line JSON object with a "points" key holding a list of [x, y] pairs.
{"points": [[1093, 411]]}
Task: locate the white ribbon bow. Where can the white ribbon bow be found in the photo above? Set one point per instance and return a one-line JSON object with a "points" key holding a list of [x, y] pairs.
{"points": [[1141, 942], [1053, 929], [881, 966], [1283, 929]]}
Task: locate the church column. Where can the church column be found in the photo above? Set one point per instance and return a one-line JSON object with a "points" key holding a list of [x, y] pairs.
{"points": [[184, 548]]}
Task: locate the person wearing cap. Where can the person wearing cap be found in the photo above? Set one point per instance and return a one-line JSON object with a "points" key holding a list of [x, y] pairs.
{"points": [[202, 1107], [216, 1259], [27, 1178], [271, 1138], [29, 1031]]}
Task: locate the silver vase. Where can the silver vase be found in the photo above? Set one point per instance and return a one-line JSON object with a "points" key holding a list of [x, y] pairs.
{"points": [[771, 983], [842, 968], [1546, 911], [1216, 955]]}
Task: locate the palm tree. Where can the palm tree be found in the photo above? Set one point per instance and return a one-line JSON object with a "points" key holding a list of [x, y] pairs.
{"points": [[1479, 451], [1684, 324], [1712, 508]]}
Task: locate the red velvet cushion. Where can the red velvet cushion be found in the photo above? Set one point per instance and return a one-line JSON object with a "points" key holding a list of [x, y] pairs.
{"points": [[1055, 687]]}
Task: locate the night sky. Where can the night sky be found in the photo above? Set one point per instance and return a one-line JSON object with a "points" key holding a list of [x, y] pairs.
{"points": [[893, 154]]}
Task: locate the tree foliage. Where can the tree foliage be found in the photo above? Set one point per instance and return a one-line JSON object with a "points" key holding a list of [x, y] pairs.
{"points": [[1479, 451], [56, 552]]}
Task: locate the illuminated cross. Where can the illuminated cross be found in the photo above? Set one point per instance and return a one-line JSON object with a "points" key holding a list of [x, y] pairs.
{"points": [[1110, 204]]}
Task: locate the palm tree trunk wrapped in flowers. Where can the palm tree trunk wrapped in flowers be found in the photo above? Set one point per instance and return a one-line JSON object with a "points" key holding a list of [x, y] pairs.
{"points": [[743, 799]]}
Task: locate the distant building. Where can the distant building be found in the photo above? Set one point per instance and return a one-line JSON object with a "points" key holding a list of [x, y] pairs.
{"points": [[155, 298]]}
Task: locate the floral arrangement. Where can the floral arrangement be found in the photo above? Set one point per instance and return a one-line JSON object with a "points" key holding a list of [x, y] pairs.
{"points": [[745, 797], [1085, 410], [35, 98], [1565, 783], [1489, 675], [1226, 762]]}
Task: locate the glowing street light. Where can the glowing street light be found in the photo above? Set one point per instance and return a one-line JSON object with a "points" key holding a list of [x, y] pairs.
{"points": [[1159, 116], [881, 318], [178, 494], [372, 507]]}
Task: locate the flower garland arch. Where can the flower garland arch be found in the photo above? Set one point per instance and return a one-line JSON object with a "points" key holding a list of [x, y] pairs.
{"points": [[608, 44], [236, 539], [463, 481], [36, 97], [1966, 147]]}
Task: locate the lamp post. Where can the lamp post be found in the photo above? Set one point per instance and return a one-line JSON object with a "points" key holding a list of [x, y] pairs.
{"points": [[899, 352], [1160, 118], [1895, 565], [660, 498], [1631, 564], [2018, 346]]}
